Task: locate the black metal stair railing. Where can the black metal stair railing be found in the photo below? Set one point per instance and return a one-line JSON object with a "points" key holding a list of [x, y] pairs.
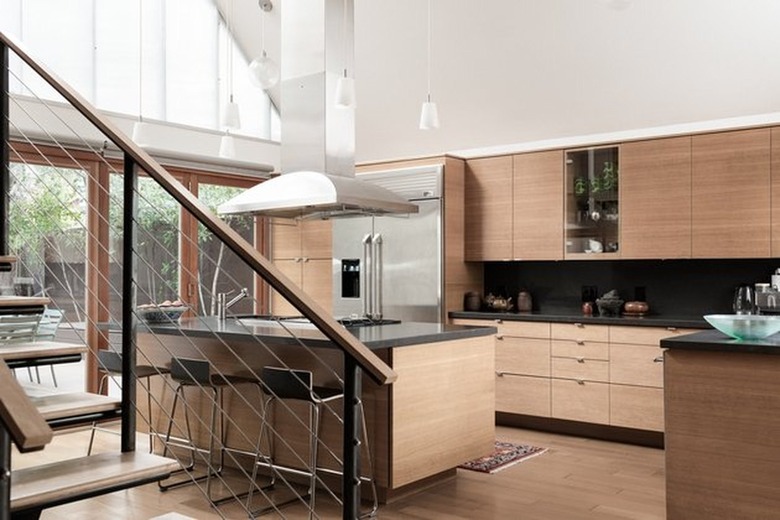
{"points": [[357, 359]]}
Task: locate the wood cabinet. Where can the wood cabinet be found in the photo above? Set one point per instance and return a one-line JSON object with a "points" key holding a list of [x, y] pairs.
{"points": [[538, 206], [731, 194], [722, 448], [522, 366], [489, 202], [303, 251], [601, 374], [514, 207], [580, 375], [775, 195], [655, 198]]}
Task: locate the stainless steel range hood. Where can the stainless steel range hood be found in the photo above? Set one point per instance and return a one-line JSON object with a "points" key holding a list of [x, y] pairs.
{"points": [[318, 138]]}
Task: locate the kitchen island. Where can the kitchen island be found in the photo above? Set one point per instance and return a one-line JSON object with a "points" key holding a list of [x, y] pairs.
{"points": [[438, 414], [722, 401]]}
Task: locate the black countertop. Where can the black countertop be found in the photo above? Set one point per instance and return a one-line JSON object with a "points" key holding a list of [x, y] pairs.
{"points": [[374, 337], [716, 341], [651, 320]]}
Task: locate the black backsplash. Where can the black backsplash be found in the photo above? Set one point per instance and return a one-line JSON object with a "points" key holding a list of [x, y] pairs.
{"points": [[672, 287]]}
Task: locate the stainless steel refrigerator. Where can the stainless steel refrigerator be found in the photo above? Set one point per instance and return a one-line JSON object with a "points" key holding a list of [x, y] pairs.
{"points": [[391, 266]]}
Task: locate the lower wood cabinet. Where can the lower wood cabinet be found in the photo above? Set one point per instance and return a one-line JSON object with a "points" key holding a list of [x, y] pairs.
{"points": [[578, 400], [636, 407], [601, 374], [525, 395]]}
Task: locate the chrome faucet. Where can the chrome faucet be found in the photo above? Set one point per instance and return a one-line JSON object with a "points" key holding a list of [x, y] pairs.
{"points": [[223, 305]]}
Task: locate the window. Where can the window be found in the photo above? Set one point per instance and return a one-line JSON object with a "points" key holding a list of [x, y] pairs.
{"points": [[183, 79]]}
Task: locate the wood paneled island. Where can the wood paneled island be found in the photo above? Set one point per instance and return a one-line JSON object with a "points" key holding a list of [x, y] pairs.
{"points": [[437, 415], [722, 401]]}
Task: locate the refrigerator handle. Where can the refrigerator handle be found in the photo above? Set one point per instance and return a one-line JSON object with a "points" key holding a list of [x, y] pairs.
{"points": [[376, 271], [365, 276]]}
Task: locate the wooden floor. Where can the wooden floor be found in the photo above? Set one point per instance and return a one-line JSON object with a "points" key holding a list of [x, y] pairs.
{"points": [[576, 479]]}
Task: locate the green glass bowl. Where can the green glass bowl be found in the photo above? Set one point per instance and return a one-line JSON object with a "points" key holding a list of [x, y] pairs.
{"points": [[745, 326]]}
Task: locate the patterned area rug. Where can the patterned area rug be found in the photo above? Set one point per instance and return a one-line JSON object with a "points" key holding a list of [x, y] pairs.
{"points": [[504, 455]]}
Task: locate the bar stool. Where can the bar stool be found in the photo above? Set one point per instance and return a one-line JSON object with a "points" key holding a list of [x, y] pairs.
{"points": [[110, 366], [196, 372], [285, 383]]}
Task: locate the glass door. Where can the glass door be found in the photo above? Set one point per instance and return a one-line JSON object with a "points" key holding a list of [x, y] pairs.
{"points": [[592, 202]]}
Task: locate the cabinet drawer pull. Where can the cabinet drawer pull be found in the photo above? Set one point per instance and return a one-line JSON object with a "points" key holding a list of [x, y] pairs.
{"points": [[580, 325], [500, 373], [671, 329], [580, 360], [659, 359], [580, 381], [499, 336], [580, 341], [499, 320]]}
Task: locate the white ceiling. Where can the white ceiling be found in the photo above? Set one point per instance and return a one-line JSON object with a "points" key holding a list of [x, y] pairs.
{"points": [[514, 71]]}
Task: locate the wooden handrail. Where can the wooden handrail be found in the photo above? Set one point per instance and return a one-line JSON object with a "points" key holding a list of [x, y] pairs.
{"points": [[367, 360], [24, 423]]}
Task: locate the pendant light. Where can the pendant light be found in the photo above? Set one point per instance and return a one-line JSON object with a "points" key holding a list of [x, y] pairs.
{"points": [[263, 71], [230, 116], [345, 86], [429, 115], [141, 128]]}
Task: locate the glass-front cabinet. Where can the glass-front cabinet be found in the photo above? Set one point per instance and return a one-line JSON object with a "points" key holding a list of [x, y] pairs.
{"points": [[592, 203]]}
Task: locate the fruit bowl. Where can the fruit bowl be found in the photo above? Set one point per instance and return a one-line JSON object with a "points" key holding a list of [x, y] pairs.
{"points": [[160, 314], [745, 326]]}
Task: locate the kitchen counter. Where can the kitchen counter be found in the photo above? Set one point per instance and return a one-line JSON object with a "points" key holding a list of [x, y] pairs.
{"points": [[722, 449], [439, 413], [376, 337], [651, 320], [716, 341]]}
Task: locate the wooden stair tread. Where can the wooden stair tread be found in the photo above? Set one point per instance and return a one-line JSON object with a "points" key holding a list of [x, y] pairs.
{"points": [[7, 259], [23, 301], [40, 349], [57, 405], [70, 480]]}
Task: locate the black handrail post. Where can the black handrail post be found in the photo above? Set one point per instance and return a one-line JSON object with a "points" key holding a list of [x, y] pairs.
{"points": [[130, 210], [351, 480], [5, 157], [5, 473]]}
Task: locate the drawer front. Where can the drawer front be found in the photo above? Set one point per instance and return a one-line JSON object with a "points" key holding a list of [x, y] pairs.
{"points": [[644, 335], [525, 356], [474, 323], [524, 329], [637, 407], [521, 394], [636, 365], [580, 332], [580, 349], [580, 369], [586, 402]]}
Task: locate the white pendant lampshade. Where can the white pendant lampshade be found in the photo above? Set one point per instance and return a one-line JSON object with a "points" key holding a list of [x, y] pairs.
{"points": [[141, 133], [264, 72], [230, 117], [227, 147], [429, 116], [345, 92]]}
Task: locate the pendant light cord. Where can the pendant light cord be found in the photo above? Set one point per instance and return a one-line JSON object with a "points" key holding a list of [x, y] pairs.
{"points": [[230, 50], [429, 50], [140, 61]]}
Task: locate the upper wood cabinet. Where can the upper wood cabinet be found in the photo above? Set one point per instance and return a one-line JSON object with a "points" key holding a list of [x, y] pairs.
{"points": [[303, 251], [514, 207], [489, 209], [655, 201], [538, 206], [775, 217], [731, 194]]}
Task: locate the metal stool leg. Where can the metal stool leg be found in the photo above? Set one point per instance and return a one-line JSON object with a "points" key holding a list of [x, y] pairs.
{"points": [[314, 424], [259, 454], [101, 389]]}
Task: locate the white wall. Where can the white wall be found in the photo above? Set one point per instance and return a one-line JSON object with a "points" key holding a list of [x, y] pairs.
{"points": [[512, 71]]}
